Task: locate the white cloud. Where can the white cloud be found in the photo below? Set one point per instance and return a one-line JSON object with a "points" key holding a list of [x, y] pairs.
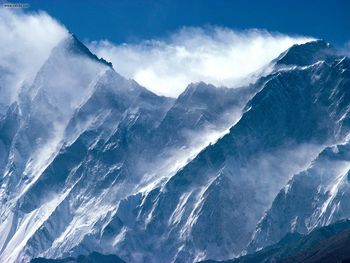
{"points": [[26, 40], [216, 55]]}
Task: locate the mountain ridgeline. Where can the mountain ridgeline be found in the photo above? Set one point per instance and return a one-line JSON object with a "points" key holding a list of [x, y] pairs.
{"points": [[96, 167]]}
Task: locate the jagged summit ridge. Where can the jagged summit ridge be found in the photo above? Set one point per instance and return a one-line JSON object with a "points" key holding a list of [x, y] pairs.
{"points": [[74, 45]]}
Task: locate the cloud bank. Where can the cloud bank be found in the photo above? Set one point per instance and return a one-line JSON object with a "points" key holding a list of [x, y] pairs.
{"points": [[26, 41], [215, 55]]}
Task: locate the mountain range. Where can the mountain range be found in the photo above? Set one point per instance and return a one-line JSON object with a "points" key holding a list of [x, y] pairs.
{"points": [[94, 164]]}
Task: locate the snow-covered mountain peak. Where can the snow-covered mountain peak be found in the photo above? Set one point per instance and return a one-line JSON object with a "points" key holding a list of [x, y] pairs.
{"points": [[308, 53], [72, 44]]}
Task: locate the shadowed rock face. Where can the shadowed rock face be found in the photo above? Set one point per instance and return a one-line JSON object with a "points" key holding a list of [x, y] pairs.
{"points": [[94, 162], [333, 249]]}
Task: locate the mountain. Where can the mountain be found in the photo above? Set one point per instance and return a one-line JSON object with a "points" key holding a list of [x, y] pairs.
{"points": [[81, 139], [93, 162], [215, 201], [75, 105], [316, 196], [326, 244], [210, 207]]}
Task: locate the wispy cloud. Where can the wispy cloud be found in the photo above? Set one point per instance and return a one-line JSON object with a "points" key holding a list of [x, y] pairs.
{"points": [[216, 55], [26, 40]]}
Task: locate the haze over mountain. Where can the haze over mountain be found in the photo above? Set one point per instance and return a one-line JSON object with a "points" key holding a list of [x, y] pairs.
{"points": [[94, 164]]}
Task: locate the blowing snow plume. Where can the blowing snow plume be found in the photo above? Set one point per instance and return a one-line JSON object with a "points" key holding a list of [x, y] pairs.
{"points": [[26, 40], [216, 55]]}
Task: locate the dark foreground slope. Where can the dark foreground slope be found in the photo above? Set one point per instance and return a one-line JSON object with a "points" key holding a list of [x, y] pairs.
{"points": [[92, 258], [326, 244]]}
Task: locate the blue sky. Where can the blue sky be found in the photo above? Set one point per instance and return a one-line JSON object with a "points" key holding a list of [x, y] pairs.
{"points": [[134, 20]]}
